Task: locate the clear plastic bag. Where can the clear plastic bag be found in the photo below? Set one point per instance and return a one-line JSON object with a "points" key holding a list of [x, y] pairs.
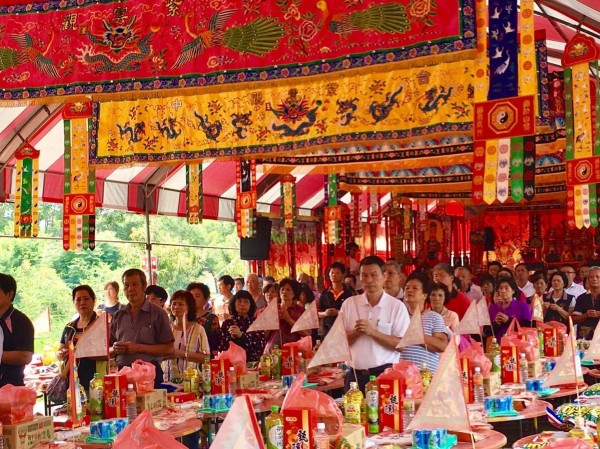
{"points": [[237, 355]]}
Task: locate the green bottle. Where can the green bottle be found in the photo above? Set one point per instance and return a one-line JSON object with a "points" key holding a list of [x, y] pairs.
{"points": [[206, 381], [276, 362], [372, 401], [96, 398], [494, 356], [274, 428]]}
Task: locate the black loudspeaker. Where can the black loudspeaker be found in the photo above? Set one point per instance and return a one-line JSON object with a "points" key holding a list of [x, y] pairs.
{"points": [[490, 238], [257, 247]]}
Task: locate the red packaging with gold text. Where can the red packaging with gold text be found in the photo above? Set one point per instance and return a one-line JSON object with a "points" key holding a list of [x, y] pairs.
{"points": [[510, 366], [288, 360], [550, 342], [115, 386], [219, 374], [298, 425], [391, 392], [467, 367]]}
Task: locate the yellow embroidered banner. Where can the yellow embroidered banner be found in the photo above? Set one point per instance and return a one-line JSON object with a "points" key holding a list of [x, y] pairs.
{"points": [[317, 112]]}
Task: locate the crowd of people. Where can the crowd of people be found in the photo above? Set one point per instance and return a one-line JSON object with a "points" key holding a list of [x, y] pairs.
{"points": [[184, 329]]}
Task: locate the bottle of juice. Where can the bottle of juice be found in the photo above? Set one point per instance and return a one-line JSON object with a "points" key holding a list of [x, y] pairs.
{"points": [[494, 355], [265, 364], [96, 398], [372, 401], [276, 363], [353, 404], [426, 376], [541, 339], [206, 381], [274, 428]]}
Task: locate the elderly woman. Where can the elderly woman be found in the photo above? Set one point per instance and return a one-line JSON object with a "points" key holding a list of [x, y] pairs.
{"points": [[271, 292], [437, 334], [438, 298], [204, 317], [84, 300], [242, 309], [289, 311], [558, 304], [508, 307], [191, 343]]}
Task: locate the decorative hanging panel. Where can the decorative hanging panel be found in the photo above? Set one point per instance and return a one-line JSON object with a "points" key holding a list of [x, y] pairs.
{"points": [[126, 49]]}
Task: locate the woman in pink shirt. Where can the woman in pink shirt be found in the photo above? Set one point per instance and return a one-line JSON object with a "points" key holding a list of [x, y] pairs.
{"points": [[438, 298]]}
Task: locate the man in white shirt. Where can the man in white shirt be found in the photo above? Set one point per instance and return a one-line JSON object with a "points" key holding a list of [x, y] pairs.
{"points": [[465, 276], [374, 322], [395, 279], [572, 288], [522, 278]]}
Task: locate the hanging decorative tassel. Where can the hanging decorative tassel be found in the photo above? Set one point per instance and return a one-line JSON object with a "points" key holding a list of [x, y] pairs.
{"points": [[288, 201], [79, 203], [582, 147], [333, 212], [529, 155], [193, 197], [355, 227], [245, 204], [26, 198]]}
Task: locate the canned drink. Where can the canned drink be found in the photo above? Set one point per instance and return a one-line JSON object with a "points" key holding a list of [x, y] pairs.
{"points": [[436, 439], [228, 400], [504, 403], [489, 404], [94, 431], [120, 424], [539, 384], [420, 438], [288, 380], [550, 364], [531, 385]]}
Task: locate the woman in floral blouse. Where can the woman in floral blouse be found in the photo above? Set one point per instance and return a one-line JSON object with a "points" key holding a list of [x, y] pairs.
{"points": [[209, 321], [242, 309]]}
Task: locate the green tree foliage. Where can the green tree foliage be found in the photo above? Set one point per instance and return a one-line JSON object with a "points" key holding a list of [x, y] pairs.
{"points": [[46, 274]]}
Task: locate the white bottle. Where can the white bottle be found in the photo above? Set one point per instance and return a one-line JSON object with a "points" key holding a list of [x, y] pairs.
{"points": [[131, 403], [232, 381], [321, 438], [523, 369], [478, 391], [408, 408]]}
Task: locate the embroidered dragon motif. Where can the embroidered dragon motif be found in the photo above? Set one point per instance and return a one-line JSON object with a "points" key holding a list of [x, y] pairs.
{"points": [[240, 122], [381, 110], [211, 130], [292, 110], [167, 128], [135, 133], [433, 98], [347, 108]]}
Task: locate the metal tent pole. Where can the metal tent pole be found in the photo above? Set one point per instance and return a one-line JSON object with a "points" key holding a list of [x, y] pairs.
{"points": [[148, 240]]}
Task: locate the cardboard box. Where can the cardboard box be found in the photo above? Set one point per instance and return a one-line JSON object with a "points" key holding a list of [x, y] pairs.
{"points": [[467, 368], [154, 401], [510, 366], [248, 381], [550, 342], [391, 392], [298, 425], [352, 437], [534, 368], [288, 360], [180, 398], [115, 386], [27, 434], [219, 375], [491, 384]]}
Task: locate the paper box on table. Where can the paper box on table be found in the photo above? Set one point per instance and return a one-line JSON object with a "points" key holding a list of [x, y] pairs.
{"points": [[352, 437], [551, 342], [154, 401], [180, 397], [510, 367], [248, 381], [288, 360], [219, 374], [491, 383], [29, 433], [467, 367], [534, 368], [391, 392], [298, 425], [115, 386]]}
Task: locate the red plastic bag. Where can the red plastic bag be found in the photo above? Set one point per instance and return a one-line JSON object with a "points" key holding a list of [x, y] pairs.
{"points": [[476, 354], [237, 355], [561, 328], [304, 344], [325, 407], [141, 374], [524, 333], [141, 434], [16, 404], [526, 347], [411, 374]]}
